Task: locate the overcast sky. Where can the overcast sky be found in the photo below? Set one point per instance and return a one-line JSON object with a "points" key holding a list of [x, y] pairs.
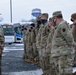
{"points": [[22, 8]]}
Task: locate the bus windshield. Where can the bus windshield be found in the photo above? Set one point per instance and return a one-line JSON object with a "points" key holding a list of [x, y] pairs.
{"points": [[8, 29]]}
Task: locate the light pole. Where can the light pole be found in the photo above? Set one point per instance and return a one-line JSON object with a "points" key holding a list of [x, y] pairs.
{"points": [[11, 11]]}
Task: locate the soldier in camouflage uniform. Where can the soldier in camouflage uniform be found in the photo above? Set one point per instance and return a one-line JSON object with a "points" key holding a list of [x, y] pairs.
{"points": [[37, 26], [62, 49], [29, 46], [73, 19], [50, 69], [42, 35], [1, 45], [38, 39], [33, 41], [24, 30]]}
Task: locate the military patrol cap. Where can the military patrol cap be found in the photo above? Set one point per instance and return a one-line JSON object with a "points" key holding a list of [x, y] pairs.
{"points": [[32, 24], [50, 19], [56, 13], [73, 16], [45, 14], [39, 17]]}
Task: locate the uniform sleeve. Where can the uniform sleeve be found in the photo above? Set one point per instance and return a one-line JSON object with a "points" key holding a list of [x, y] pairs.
{"points": [[74, 32], [38, 39], [1, 35], [49, 39], [66, 34]]}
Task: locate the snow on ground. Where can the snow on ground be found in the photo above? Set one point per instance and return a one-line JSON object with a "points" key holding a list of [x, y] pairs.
{"points": [[14, 47], [19, 44], [35, 72], [7, 49]]}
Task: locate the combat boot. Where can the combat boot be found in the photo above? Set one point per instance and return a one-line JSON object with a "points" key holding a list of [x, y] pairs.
{"points": [[28, 59], [32, 60]]}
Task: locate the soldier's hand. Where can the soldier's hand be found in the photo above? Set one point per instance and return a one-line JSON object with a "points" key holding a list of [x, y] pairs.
{"points": [[2, 46]]}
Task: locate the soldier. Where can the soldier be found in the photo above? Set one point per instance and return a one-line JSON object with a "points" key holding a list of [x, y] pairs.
{"points": [[30, 47], [27, 45], [73, 19], [42, 35], [62, 49], [1, 45], [33, 41], [24, 30], [51, 24], [49, 62], [37, 26]]}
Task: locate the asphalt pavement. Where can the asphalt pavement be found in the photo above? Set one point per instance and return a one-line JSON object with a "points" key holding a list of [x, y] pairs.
{"points": [[12, 62]]}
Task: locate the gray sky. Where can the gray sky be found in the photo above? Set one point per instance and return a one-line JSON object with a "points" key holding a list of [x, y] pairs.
{"points": [[22, 8]]}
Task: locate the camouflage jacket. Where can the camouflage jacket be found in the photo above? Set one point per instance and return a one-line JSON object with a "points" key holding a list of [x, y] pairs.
{"points": [[74, 31], [38, 38], [49, 40], [62, 40], [33, 35], [44, 35]]}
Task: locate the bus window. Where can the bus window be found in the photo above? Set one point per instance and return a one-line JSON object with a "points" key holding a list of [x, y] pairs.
{"points": [[8, 30], [8, 33], [17, 30]]}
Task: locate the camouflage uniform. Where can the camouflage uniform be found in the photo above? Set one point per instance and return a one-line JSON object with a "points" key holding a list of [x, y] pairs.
{"points": [[27, 42], [1, 45], [49, 61], [30, 47], [44, 36], [37, 26], [73, 19], [38, 42], [74, 35], [62, 51], [24, 41], [37, 56], [33, 38]]}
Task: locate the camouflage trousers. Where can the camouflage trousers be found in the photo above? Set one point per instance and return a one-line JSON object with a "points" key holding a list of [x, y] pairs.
{"points": [[63, 65], [75, 57], [35, 51], [44, 61], [29, 51], [25, 53]]}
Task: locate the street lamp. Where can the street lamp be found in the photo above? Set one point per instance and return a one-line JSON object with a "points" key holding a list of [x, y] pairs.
{"points": [[11, 11]]}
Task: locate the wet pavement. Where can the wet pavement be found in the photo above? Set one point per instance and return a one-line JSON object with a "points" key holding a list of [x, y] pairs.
{"points": [[13, 64]]}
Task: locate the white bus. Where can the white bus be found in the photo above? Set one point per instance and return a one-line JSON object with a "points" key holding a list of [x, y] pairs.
{"points": [[18, 30], [8, 32]]}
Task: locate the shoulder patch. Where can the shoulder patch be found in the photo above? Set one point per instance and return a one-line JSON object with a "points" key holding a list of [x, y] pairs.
{"points": [[63, 30]]}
